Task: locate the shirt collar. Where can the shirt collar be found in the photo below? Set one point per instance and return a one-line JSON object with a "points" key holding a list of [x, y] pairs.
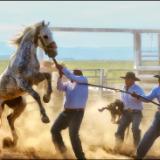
{"points": [[130, 86]]}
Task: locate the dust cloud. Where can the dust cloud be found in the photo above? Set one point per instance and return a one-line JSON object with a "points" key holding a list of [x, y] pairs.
{"points": [[96, 133]]}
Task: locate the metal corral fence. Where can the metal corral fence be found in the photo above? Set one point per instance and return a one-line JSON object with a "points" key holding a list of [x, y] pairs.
{"points": [[95, 76], [99, 76], [111, 78]]}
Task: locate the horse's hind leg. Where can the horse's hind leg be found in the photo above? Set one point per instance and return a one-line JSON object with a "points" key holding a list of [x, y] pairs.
{"points": [[28, 88], [1, 111], [18, 105]]}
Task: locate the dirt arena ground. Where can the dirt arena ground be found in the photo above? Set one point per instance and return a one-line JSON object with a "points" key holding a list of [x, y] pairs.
{"points": [[97, 131]]}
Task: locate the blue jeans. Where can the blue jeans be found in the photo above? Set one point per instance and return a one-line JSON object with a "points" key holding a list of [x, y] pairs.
{"points": [[71, 119], [149, 137], [133, 117]]}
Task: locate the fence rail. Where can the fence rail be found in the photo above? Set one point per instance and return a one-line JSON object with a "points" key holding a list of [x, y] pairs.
{"points": [[95, 74], [109, 77]]}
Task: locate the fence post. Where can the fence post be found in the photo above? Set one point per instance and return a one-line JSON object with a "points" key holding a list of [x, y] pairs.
{"points": [[101, 78]]}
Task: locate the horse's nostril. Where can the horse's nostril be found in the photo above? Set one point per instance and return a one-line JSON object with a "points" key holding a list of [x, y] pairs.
{"points": [[53, 45]]}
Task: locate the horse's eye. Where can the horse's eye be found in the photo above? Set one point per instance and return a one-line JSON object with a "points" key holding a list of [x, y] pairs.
{"points": [[45, 37]]}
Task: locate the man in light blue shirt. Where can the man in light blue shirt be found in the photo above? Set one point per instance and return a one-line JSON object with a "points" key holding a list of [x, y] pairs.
{"points": [[71, 117], [132, 111], [154, 130], [76, 94]]}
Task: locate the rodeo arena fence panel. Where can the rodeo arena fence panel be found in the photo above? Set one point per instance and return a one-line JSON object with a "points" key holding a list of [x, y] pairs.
{"points": [[146, 61]]}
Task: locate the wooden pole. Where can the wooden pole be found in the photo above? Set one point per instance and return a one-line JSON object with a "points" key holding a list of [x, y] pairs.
{"points": [[137, 50]]}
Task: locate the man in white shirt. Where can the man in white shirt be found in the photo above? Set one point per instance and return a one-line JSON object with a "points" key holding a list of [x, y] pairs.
{"points": [[132, 110]]}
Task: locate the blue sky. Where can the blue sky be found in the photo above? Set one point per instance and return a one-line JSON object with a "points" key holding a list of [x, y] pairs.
{"points": [[113, 14]]}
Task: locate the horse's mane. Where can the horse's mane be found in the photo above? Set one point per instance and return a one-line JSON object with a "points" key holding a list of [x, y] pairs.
{"points": [[18, 38]]}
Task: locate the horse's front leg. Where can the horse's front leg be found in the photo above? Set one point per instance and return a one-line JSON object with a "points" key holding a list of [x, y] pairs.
{"points": [[47, 96], [42, 76], [25, 86]]}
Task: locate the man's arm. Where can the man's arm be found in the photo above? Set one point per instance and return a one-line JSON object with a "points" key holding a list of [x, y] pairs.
{"points": [[71, 76], [150, 96], [60, 85]]}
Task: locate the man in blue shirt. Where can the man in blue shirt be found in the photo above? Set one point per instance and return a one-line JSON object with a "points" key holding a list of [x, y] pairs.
{"points": [[154, 131], [132, 111], [71, 117]]}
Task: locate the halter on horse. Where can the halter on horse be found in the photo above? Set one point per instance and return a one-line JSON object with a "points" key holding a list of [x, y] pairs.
{"points": [[23, 72]]}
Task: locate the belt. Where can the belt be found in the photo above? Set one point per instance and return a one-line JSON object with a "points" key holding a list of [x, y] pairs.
{"points": [[74, 109], [132, 110]]}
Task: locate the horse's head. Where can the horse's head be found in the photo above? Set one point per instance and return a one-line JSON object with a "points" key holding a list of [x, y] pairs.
{"points": [[41, 34], [45, 39]]}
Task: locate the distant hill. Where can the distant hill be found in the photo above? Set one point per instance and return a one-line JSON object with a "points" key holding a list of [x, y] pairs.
{"points": [[103, 53], [81, 53]]}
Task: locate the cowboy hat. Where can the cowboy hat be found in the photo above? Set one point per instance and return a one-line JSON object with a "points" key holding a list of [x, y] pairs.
{"points": [[157, 76], [77, 72], [130, 75]]}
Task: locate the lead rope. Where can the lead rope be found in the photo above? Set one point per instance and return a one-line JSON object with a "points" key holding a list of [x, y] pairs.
{"points": [[106, 87], [119, 90]]}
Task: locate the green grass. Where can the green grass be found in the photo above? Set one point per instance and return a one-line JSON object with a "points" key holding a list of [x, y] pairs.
{"points": [[104, 64], [99, 64], [3, 65], [92, 64]]}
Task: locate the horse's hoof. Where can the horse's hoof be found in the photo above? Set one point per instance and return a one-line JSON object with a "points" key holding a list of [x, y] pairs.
{"points": [[46, 98], [7, 142], [45, 119]]}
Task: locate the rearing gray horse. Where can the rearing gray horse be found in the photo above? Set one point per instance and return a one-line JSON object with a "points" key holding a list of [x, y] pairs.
{"points": [[23, 72]]}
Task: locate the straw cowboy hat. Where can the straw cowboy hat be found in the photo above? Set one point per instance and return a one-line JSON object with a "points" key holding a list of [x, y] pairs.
{"points": [[130, 75], [157, 76]]}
